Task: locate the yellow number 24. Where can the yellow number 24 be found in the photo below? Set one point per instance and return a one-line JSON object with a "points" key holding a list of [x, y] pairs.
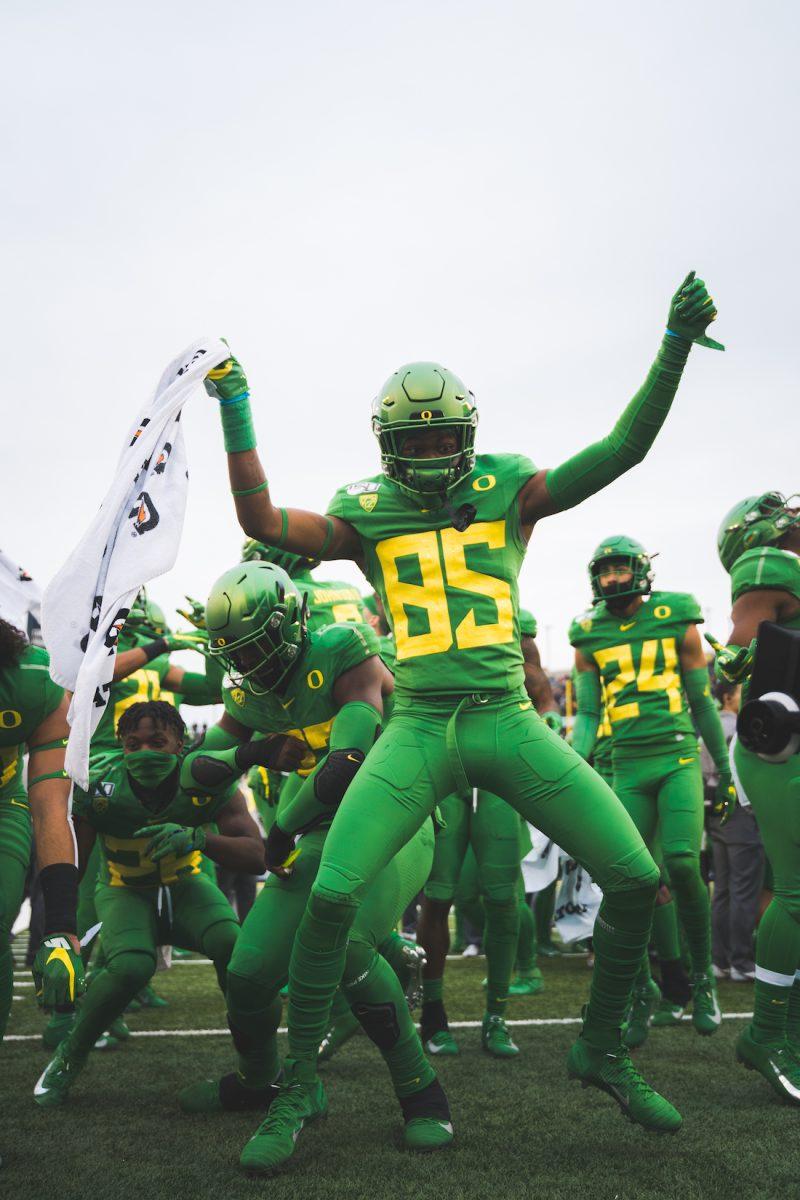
{"points": [[646, 680]]}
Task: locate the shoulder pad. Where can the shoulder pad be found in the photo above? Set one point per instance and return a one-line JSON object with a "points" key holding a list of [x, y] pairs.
{"points": [[683, 606], [766, 567], [581, 627], [527, 623]]}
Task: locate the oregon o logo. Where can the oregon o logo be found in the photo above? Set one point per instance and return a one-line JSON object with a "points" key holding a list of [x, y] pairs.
{"points": [[426, 414], [484, 483], [315, 679], [201, 801], [10, 718], [662, 611]]}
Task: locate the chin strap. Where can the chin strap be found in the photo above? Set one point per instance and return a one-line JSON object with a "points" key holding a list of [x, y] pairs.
{"points": [[461, 517]]}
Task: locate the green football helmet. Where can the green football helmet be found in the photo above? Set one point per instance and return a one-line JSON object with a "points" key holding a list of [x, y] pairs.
{"points": [[292, 564], [256, 622], [146, 621], [421, 396], [757, 521], [627, 552]]}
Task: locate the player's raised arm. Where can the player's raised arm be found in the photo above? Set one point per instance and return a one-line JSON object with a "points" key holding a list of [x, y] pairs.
{"points": [[550, 491], [308, 533]]}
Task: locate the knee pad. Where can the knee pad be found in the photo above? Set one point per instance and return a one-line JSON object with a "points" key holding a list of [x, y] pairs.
{"points": [[683, 868], [332, 907], [248, 970], [132, 969]]}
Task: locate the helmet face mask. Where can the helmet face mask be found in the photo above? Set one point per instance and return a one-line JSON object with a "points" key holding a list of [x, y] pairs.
{"points": [[756, 521], [424, 398], [256, 620], [627, 556]]}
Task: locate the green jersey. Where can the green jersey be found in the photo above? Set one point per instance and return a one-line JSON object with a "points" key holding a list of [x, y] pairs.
{"points": [[330, 603], [27, 696], [450, 597], [115, 806], [144, 684], [306, 707], [637, 658], [768, 567]]}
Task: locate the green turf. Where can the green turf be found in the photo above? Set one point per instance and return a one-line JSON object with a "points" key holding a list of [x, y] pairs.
{"points": [[521, 1128]]}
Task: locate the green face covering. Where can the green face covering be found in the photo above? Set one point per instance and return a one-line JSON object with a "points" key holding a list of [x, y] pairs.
{"points": [[150, 767]]}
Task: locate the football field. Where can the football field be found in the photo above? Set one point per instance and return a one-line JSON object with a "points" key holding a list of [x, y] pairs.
{"points": [[522, 1129]]}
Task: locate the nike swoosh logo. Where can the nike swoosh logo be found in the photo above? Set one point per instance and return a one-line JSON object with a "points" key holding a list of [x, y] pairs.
{"points": [[684, 761], [525, 704], [788, 1087], [625, 628], [38, 1089], [446, 1126], [432, 1048]]}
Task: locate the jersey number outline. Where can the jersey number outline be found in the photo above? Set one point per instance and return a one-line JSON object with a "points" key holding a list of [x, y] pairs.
{"points": [[442, 562], [148, 687], [645, 680]]}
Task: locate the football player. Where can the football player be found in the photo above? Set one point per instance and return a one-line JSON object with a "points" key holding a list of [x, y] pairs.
{"points": [[441, 534], [759, 546], [642, 651], [328, 602]]}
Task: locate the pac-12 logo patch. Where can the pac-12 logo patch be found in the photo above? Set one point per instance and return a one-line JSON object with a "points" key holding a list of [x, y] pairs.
{"points": [[368, 502]]}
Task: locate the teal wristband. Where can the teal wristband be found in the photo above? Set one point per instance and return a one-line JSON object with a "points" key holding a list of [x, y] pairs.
{"points": [[237, 426]]}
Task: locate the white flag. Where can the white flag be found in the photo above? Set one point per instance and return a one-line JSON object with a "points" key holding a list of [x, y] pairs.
{"points": [[133, 538], [20, 599]]}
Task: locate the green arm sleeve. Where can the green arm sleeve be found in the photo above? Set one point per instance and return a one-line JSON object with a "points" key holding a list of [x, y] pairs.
{"points": [[587, 694], [354, 729], [704, 711], [202, 689], [629, 441]]}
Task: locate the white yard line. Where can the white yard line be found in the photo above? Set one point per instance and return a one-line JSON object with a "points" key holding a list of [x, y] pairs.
{"points": [[155, 1033]]}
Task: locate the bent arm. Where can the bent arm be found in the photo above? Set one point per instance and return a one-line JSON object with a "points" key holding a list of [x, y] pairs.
{"points": [[237, 845], [537, 685], [697, 683]]}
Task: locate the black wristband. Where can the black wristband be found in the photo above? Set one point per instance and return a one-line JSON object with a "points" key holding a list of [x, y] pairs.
{"points": [[155, 649], [59, 884]]}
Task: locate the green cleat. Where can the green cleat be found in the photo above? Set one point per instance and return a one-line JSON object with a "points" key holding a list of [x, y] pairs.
{"points": [[57, 1078], [613, 1072], [274, 1141], [496, 1039], [548, 949], [119, 1030], [57, 1029], [529, 984], [227, 1094], [706, 1016], [106, 1042], [667, 1013], [643, 1004], [442, 1043], [776, 1063], [149, 999], [427, 1119], [342, 1029]]}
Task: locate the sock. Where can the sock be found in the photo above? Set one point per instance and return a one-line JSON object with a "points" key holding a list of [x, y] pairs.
{"points": [[253, 1020], [500, 948], [665, 931], [432, 990], [526, 939], [316, 967], [543, 908], [377, 1000], [644, 975], [674, 982], [777, 957], [105, 1000], [620, 938], [694, 908]]}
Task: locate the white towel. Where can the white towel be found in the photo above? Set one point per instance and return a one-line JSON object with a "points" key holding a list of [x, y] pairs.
{"points": [[134, 537], [20, 599]]}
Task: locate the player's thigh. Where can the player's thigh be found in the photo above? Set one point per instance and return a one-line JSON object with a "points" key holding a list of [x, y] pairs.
{"points": [[773, 790], [393, 889], [198, 906], [15, 853], [264, 945], [680, 808], [553, 788], [450, 848], [399, 784], [636, 787], [495, 837], [468, 890], [129, 918]]}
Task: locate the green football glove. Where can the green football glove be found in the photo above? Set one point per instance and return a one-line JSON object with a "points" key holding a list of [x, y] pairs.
{"points": [[227, 382], [170, 838], [58, 971], [195, 614], [553, 720], [724, 799], [733, 663], [691, 311], [188, 639]]}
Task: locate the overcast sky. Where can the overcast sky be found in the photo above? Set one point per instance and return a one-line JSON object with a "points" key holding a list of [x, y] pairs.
{"points": [[513, 189]]}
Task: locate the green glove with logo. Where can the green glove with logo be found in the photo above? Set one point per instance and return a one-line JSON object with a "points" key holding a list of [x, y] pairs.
{"points": [[724, 799], [733, 663], [553, 720], [691, 311], [195, 614], [170, 838], [227, 382], [58, 971]]}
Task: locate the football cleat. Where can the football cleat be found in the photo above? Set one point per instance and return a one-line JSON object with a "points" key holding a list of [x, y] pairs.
{"points": [[776, 1063], [442, 1043], [530, 983], [706, 1016], [273, 1143], [644, 1003], [496, 1039], [667, 1013], [53, 1085], [227, 1094], [613, 1072], [149, 999], [342, 1029], [427, 1119]]}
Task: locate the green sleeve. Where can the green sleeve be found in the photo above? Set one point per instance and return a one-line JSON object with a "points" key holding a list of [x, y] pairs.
{"points": [[629, 441], [202, 689], [587, 694], [527, 623], [354, 728], [704, 711]]}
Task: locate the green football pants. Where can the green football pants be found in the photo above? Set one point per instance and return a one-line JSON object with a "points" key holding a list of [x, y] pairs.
{"points": [[192, 913], [663, 793], [426, 752], [260, 964], [773, 790], [15, 855]]}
